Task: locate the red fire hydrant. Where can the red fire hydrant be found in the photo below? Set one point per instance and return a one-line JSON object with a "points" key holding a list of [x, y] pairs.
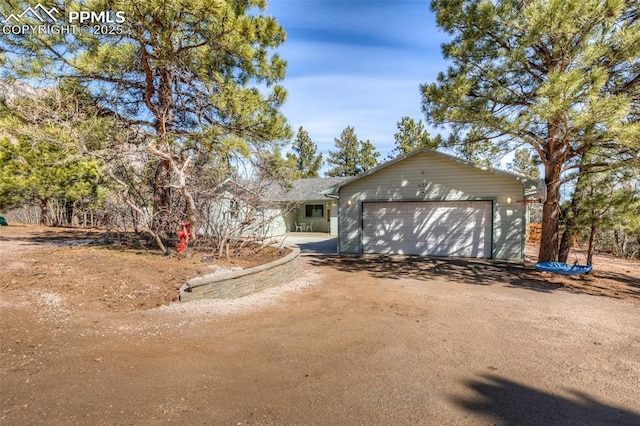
{"points": [[184, 235]]}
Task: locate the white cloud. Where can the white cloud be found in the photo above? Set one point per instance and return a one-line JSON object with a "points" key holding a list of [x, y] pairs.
{"points": [[356, 63]]}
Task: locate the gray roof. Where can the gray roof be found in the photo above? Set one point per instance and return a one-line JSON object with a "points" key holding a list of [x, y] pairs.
{"points": [[308, 189]]}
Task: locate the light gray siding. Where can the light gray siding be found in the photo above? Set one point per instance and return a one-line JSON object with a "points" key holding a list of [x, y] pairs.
{"points": [[318, 224], [429, 177], [334, 219], [225, 219]]}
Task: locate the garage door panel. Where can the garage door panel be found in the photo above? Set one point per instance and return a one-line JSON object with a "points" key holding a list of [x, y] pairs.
{"points": [[424, 248], [428, 228]]}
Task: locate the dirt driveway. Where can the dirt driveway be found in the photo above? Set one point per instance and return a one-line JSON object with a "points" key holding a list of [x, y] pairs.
{"points": [[358, 340]]}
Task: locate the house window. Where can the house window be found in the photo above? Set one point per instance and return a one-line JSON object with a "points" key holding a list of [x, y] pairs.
{"points": [[234, 208], [314, 210]]}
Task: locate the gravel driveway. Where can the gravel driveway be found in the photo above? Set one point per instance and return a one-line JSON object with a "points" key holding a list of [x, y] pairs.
{"points": [[312, 243], [358, 340]]}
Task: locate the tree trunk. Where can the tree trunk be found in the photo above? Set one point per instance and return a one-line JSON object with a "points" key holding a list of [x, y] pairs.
{"points": [[69, 210], [134, 220], [162, 200], [592, 235], [549, 244], [569, 232], [192, 212], [44, 212], [566, 242]]}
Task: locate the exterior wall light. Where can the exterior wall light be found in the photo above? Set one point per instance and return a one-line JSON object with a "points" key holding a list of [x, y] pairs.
{"points": [[349, 202], [509, 200]]}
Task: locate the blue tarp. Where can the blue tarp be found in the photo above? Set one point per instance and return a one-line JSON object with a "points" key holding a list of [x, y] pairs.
{"points": [[3, 222], [563, 268]]}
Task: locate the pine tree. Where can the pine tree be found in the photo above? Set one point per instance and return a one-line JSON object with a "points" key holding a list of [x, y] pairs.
{"points": [[560, 75], [527, 165], [272, 166], [345, 159], [305, 156], [41, 157], [599, 201], [353, 156], [410, 136], [368, 156], [524, 164], [182, 72], [476, 149]]}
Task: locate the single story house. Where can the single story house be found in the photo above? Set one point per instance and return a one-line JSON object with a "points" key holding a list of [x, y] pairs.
{"points": [[432, 204], [307, 209], [240, 210], [267, 210]]}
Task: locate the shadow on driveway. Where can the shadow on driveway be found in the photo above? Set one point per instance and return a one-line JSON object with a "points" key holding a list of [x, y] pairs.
{"points": [[481, 272], [313, 244], [512, 403]]}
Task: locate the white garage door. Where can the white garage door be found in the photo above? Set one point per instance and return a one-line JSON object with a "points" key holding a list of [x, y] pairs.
{"points": [[443, 228]]}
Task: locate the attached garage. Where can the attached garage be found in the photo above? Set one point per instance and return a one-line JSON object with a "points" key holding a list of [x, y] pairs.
{"points": [[432, 204], [428, 228]]}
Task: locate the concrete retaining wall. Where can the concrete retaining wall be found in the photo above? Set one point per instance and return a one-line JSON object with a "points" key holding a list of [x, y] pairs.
{"points": [[242, 283]]}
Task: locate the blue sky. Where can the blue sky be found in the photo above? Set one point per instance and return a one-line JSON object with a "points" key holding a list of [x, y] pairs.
{"points": [[356, 63]]}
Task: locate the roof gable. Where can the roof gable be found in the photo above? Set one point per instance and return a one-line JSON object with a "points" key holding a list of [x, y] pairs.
{"points": [[526, 182]]}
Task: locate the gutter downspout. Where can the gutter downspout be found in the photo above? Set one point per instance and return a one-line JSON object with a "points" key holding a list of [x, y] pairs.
{"points": [[337, 198]]}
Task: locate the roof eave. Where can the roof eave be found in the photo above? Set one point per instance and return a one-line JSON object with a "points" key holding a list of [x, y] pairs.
{"points": [[526, 182]]}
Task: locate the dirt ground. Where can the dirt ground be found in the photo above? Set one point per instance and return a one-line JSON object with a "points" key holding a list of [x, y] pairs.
{"points": [[88, 337], [99, 271]]}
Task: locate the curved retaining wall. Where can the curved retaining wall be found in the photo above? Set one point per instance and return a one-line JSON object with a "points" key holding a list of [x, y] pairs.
{"points": [[247, 281]]}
